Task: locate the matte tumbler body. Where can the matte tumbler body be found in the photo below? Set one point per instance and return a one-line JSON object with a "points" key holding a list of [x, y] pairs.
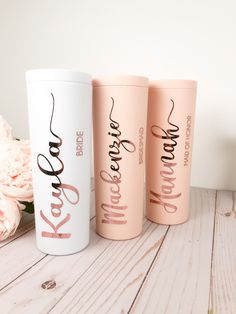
{"points": [[60, 112], [119, 121], [170, 125]]}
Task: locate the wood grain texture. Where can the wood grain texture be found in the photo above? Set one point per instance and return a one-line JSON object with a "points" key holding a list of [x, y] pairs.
{"points": [[223, 287], [179, 279], [27, 295], [17, 257], [190, 268], [112, 282]]}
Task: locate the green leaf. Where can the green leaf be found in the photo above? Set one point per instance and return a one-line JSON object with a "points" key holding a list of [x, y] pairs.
{"points": [[29, 207]]}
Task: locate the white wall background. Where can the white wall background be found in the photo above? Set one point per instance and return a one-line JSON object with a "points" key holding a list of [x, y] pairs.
{"points": [[193, 39]]}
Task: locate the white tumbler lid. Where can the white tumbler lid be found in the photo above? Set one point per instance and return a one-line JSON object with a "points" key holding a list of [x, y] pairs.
{"points": [[58, 75]]}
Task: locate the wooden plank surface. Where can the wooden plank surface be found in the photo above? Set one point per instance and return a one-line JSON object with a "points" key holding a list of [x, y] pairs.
{"points": [[17, 257], [112, 282], [223, 287], [12, 262], [26, 294], [179, 279], [190, 268]]}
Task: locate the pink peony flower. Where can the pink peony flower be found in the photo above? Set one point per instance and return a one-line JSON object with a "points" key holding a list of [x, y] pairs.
{"points": [[5, 130], [15, 179], [15, 171], [9, 218]]}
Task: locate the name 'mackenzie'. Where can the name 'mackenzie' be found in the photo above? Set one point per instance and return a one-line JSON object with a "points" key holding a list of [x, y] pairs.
{"points": [[114, 211]]}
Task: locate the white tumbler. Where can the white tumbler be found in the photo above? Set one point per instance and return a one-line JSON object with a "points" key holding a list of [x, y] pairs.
{"points": [[60, 109]]}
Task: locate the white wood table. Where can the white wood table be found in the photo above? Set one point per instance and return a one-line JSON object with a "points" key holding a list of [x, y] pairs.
{"points": [[189, 268]]}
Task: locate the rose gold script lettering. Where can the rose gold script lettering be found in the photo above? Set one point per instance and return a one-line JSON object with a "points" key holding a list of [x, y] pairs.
{"points": [[114, 212], [60, 190], [167, 195]]}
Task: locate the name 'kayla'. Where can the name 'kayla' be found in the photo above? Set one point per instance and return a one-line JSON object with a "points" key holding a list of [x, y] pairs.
{"points": [[167, 175], [59, 189], [114, 211]]}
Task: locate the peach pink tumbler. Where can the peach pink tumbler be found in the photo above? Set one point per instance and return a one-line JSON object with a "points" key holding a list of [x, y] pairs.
{"points": [[119, 126], [170, 126]]}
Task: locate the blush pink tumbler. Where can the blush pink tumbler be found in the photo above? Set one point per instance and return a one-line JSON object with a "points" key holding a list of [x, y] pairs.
{"points": [[119, 126], [170, 126]]}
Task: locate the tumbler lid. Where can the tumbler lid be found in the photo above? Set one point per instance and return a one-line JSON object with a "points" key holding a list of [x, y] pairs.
{"points": [[121, 80], [58, 75], [165, 84]]}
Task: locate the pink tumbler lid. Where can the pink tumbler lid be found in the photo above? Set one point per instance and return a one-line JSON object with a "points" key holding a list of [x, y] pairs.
{"points": [[121, 80], [165, 84]]}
